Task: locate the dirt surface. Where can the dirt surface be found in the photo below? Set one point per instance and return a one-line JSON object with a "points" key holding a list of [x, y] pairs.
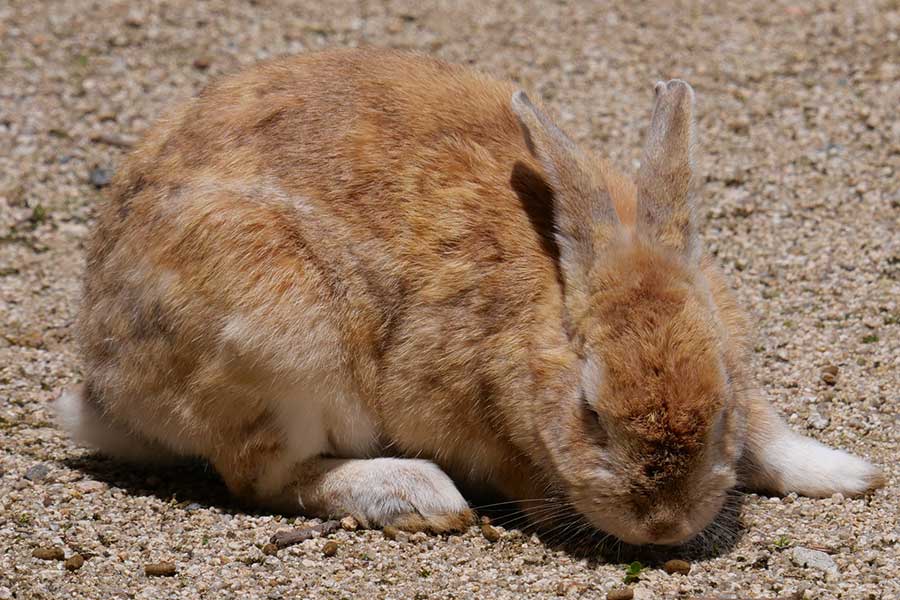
{"points": [[799, 148]]}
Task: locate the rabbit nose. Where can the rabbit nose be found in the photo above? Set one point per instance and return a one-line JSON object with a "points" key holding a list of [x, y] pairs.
{"points": [[668, 531]]}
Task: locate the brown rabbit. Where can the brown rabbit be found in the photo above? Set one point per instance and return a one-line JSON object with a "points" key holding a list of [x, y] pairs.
{"points": [[346, 277]]}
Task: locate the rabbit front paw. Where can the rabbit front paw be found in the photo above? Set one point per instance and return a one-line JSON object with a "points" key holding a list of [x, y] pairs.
{"points": [[409, 494]]}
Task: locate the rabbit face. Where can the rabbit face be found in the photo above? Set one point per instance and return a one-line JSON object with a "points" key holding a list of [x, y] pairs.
{"points": [[650, 444], [648, 448], [641, 502]]}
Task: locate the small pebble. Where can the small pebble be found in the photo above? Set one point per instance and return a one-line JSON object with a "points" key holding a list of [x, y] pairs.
{"points": [[844, 534], [49, 553], [74, 562], [163, 569], [201, 63], [675, 565], [418, 537], [37, 473], [739, 125], [390, 532], [88, 487], [270, 549], [818, 421], [100, 177], [349, 523], [118, 41], [625, 593], [566, 588], [119, 141], [330, 548], [135, 19], [829, 374], [490, 533]]}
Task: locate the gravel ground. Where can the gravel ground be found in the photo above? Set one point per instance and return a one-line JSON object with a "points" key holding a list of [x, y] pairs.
{"points": [[800, 150]]}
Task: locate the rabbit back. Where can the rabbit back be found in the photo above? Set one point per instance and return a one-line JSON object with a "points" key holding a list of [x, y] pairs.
{"points": [[324, 255]]}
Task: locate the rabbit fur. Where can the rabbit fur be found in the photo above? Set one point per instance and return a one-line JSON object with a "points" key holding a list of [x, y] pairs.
{"points": [[353, 279]]}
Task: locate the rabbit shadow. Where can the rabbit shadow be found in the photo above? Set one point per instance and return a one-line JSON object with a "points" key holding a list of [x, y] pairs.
{"points": [[190, 483], [572, 535], [193, 484]]}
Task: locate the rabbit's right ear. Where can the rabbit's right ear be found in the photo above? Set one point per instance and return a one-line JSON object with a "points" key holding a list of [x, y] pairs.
{"points": [[665, 202], [583, 213]]}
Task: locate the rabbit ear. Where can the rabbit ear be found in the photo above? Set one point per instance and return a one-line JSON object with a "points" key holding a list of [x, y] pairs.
{"points": [[665, 208], [583, 212]]}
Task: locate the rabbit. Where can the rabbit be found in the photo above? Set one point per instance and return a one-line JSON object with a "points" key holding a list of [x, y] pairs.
{"points": [[357, 281]]}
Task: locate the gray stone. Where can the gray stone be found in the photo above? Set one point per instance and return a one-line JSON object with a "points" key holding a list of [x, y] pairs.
{"points": [[815, 559], [818, 421], [100, 177], [37, 473]]}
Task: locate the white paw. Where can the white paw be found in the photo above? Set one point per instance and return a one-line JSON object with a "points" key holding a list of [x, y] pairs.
{"points": [[406, 493]]}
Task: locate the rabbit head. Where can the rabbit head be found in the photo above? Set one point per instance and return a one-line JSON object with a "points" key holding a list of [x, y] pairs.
{"points": [[648, 448]]}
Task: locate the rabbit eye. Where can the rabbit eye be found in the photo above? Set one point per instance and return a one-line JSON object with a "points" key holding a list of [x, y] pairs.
{"points": [[590, 408], [593, 421]]}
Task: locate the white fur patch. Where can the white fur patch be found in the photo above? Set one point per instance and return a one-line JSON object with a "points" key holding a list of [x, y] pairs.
{"points": [[380, 489], [90, 428], [591, 377], [810, 468], [321, 415]]}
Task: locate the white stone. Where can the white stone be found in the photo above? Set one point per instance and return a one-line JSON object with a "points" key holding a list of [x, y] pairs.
{"points": [[815, 559], [89, 487]]}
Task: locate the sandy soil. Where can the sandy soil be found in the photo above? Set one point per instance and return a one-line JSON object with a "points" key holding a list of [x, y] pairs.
{"points": [[800, 157]]}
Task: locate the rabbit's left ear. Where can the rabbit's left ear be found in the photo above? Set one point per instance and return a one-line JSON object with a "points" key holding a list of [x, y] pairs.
{"points": [[583, 213], [665, 206]]}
